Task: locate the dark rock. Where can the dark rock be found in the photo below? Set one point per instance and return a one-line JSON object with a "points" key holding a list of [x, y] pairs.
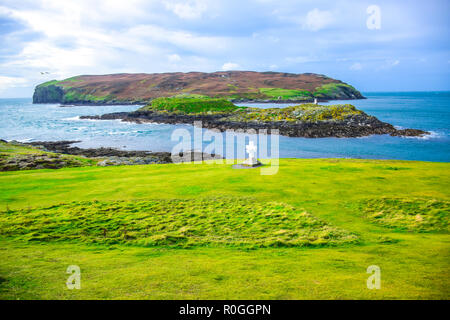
{"points": [[117, 157], [409, 133], [48, 94], [37, 161]]}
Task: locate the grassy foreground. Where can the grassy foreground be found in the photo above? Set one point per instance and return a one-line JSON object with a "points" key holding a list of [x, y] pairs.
{"points": [[347, 197]]}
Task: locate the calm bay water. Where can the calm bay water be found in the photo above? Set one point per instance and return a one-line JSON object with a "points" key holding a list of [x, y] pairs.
{"points": [[430, 111]]}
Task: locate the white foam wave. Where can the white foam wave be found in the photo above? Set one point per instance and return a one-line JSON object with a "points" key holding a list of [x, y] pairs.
{"points": [[431, 135], [24, 140]]}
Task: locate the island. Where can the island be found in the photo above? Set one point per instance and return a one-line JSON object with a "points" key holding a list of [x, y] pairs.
{"points": [[307, 120], [235, 86]]}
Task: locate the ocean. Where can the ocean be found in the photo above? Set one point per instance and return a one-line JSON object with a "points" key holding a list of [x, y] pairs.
{"points": [[23, 121]]}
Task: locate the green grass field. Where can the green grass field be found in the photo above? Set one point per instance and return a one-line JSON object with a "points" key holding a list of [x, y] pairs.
{"points": [[207, 231], [278, 93], [191, 104]]}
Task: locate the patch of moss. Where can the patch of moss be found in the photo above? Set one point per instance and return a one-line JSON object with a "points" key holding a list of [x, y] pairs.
{"points": [[191, 105], [304, 112], [203, 222], [418, 215]]}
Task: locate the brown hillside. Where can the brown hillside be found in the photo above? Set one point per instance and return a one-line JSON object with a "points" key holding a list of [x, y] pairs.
{"points": [[144, 87]]}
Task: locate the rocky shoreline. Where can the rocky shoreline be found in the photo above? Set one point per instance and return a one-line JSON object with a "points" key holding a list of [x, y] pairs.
{"points": [[355, 126], [39, 161], [61, 154], [18, 156], [112, 156]]}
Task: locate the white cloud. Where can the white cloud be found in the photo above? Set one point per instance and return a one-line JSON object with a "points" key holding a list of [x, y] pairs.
{"points": [[11, 82], [230, 66], [317, 20], [301, 59], [356, 66], [174, 58], [182, 39], [388, 64], [264, 37], [68, 38], [76, 43], [187, 9]]}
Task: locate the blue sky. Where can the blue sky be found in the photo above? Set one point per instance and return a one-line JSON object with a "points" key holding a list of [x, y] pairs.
{"points": [[408, 50]]}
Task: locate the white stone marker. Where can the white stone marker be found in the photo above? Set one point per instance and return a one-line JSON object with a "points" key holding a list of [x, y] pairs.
{"points": [[251, 150]]}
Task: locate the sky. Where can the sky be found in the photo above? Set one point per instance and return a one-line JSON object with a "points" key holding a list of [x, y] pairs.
{"points": [[374, 45]]}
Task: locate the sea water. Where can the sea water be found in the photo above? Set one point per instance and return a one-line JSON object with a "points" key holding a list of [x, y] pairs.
{"points": [[23, 121]]}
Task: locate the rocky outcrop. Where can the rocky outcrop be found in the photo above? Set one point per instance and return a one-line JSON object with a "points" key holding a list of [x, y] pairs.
{"points": [[65, 147], [111, 156], [38, 161], [355, 126], [409, 133], [60, 154], [48, 94]]}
